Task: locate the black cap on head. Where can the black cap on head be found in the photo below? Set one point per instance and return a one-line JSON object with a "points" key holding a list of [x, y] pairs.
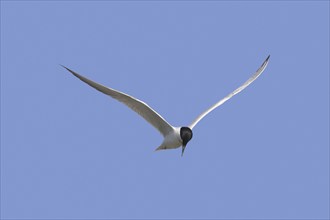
{"points": [[186, 135]]}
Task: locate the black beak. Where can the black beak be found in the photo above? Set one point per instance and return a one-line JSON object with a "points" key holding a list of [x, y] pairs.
{"points": [[183, 147]]}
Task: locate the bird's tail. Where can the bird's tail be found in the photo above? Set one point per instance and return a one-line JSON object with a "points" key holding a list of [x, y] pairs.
{"points": [[161, 147]]}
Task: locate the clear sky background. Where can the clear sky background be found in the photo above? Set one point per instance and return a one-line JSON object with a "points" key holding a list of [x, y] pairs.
{"points": [[69, 151]]}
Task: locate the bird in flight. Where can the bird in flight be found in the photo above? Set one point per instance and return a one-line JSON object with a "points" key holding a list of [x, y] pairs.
{"points": [[174, 137]]}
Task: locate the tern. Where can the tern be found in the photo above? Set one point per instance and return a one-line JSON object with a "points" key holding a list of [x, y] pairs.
{"points": [[174, 137]]}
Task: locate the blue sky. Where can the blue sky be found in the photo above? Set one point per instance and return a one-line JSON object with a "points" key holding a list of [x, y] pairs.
{"points": [[68, 151]]}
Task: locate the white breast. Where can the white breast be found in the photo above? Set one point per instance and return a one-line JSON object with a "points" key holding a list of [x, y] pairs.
{"points": [[172, 140]]}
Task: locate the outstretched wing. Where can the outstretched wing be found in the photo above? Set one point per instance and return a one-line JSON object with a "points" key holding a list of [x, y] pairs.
{"points": [[136, 105], [239, 89]]}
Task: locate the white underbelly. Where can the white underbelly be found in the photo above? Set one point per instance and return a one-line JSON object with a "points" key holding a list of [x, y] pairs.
{"points": [[172, 140]]}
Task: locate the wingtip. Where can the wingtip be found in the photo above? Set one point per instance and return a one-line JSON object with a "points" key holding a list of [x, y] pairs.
{"points": [[266, 61], [69, 70], [65, 67]]}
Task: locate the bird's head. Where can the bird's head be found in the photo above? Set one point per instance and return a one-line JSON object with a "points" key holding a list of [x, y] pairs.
{"points": [[186, 135]]}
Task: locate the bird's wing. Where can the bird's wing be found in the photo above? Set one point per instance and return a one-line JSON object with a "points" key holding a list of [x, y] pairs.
{"points": [[239, 89], [136, 105]]}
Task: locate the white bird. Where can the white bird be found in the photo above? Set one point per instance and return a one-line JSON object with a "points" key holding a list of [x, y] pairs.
{"points": [[174, 137]]}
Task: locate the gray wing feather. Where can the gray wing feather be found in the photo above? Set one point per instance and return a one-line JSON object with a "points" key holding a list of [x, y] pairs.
{"points": [[136, 105], [239, 89]]}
